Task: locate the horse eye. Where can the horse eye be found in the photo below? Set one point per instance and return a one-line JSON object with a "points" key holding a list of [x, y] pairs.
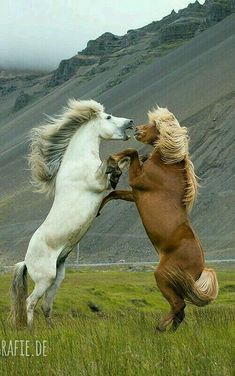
{"points": [[108, 117]]}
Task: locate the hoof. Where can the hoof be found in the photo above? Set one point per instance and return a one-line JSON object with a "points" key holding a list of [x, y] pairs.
{"points": [[111, 165], [173, 329], [50, 324], [144, 158], [109, 170], [30, 326], [160, 328], [47, 316]]}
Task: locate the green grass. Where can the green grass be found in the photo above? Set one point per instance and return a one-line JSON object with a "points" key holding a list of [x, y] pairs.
{"points": [[120, 338]]}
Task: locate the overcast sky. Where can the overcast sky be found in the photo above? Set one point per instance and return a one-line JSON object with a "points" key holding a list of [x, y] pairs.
{"points": [[40, 33]]}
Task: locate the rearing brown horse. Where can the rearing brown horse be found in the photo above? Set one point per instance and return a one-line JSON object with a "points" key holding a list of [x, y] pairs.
{"points": [[164, 188]]}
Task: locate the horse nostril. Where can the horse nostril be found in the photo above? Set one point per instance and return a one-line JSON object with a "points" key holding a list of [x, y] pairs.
{"points": [[131, 124]]}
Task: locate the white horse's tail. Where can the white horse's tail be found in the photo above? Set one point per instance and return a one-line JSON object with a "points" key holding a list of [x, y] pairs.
{"points": [[19, 290]]}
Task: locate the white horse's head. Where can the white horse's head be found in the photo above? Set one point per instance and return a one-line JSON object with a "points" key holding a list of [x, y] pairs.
{"points": [[50, 141], [111, 127]]}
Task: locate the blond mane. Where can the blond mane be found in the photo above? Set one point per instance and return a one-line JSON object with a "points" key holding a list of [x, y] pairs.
{"points": [[173, 146], [50, 141]]}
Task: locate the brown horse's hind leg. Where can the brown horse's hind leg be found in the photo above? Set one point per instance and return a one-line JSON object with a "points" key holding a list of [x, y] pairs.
{"points": [[176, 314], [179, 317]]}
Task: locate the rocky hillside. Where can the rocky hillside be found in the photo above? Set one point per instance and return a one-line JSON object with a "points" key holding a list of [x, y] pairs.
{"points": [[196, 81], [121, 55], [142, 45]]}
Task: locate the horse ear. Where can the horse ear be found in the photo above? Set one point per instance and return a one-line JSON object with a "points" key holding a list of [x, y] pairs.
{"points": [[152, 117], [168, 118]]}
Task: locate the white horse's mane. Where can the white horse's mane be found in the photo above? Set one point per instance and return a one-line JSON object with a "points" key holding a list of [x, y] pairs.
{"points": [[50, 141]]}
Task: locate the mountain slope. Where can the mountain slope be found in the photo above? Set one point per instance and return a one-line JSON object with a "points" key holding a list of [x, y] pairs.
{"points": [[196, 81], [118, 57]]}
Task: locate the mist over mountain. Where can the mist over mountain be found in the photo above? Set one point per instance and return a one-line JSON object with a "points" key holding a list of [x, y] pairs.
{"points": [[39, 35]]}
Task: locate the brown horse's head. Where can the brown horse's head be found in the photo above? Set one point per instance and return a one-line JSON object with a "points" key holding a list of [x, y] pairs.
{"points": [[146, 133], [170, 140], [149, 133]]}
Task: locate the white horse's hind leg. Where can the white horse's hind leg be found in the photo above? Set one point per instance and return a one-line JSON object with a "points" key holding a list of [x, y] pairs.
{"points": [[43, 273], [39, 289], [51, 292]]}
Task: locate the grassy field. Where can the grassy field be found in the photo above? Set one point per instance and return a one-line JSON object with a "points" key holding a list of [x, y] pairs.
{"points": [[104, 325]]}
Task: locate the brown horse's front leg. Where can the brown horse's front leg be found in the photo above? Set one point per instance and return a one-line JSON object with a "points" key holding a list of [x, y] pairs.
{"points": [[116, 195], [135, 168]]}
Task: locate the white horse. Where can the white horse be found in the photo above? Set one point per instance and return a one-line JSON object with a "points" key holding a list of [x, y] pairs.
{"points": [[65, 161]]}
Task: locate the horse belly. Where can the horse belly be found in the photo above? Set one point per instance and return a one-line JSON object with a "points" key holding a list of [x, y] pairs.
{"points": [[152, 215], [160, 217], [69, 220]]}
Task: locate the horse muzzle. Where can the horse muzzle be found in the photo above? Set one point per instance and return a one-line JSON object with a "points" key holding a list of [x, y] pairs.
{"points": [[129, 124], [138, 135]]}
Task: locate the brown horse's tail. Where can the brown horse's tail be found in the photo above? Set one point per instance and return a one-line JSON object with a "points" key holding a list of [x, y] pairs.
{"points": [[19, 291], [200, 292]]}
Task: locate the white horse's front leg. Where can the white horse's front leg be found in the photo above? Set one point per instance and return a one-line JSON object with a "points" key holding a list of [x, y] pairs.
{"points": [[101, 177], [113, 177], [101, 170]]}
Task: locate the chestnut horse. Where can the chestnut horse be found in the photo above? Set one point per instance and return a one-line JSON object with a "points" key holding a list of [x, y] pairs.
{"points": [[164, 188]]}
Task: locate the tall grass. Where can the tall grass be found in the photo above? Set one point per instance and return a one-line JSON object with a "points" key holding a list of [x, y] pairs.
{"points": [[120, 339]]}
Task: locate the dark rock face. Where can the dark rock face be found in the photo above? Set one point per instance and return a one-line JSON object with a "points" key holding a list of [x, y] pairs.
{"points": [[21, 101], [130, 38], [193, 10], [196, 17], [183, 28], [8, 89], [218, 9], [103, 45], [155, 26], [68, 68]]}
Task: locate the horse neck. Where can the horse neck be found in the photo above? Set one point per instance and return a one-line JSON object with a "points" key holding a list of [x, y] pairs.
{"points": [[155, 157], [85, 143]]}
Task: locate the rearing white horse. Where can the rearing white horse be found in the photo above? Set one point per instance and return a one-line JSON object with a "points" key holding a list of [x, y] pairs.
{"points": [[65, 161]]}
